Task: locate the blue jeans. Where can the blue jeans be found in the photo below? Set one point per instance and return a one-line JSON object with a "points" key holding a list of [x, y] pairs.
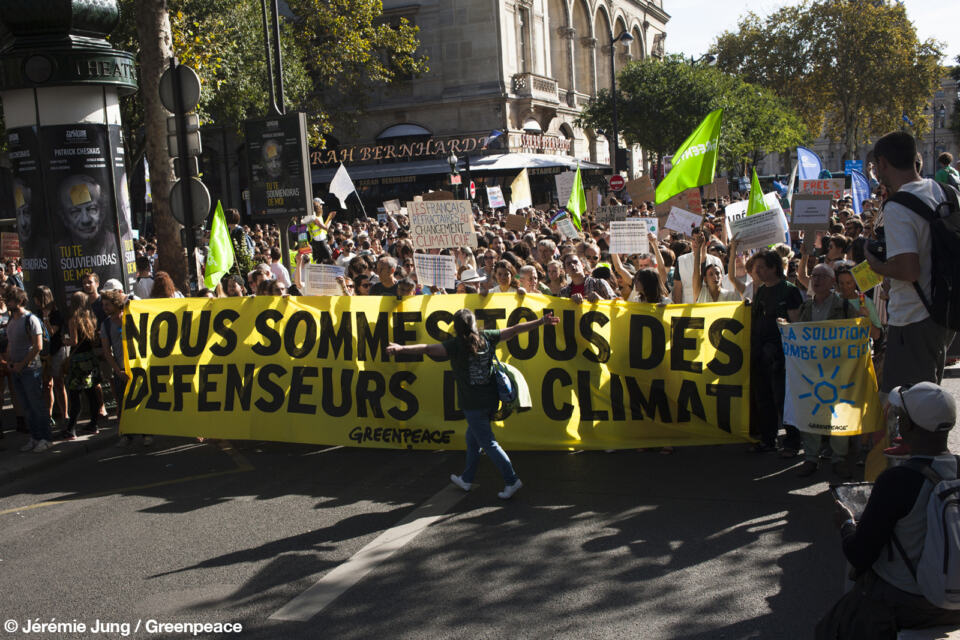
{"points": [[27, 386], [480, 436]]}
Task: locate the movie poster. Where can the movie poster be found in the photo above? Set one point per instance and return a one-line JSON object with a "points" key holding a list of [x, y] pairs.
{"points": [[83, 228], [280, 179], [122, 194], [30, 207]]}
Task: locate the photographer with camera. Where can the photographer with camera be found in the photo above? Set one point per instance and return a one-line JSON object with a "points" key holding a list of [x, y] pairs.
{"points": [[916, 344]]}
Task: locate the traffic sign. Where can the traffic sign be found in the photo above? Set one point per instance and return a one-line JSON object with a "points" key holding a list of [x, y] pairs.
{"points": [[189, 85], [455, 178], [617, 183], [200, 197], [473, 189]]}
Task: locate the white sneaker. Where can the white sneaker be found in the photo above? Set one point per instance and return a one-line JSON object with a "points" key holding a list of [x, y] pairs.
{"points": [[457, 480], [29, 446], [41, 446], [510, 489], [147, 441]]}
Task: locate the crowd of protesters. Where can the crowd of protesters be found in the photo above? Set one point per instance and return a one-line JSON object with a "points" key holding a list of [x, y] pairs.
{"points": [[784, 283]]}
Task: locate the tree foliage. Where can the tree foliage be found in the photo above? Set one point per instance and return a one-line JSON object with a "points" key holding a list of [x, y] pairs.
{"points": [[850, 69], [660, 102]]}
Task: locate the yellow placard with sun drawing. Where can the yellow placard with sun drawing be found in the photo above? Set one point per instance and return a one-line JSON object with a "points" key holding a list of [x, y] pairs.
{"points": [[831, 384]]}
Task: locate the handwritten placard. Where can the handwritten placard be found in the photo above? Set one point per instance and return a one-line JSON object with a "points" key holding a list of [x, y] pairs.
{"points": [[612, 212], [435, 270], [321, 280], [391, 206], [564, 182], [629, 236], [866, 277], [441, 225], [641, 190], [832, 187], [495, 197], [688, 200], [565, 226], [682, 221], [759, 230], [811, 210]]}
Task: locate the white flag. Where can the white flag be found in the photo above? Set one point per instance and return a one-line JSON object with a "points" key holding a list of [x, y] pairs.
{"points": [[520, 192], [342, 186]]}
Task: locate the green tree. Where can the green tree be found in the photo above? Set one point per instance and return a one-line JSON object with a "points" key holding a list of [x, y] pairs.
{"points": [[661, 101], [955, 118], [851, 69]]}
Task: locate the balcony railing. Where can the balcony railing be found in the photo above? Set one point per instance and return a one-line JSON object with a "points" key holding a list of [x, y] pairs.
{"points": [[530, 85]]}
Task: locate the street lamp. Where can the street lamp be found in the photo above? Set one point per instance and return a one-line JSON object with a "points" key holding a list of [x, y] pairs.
{"points": [[625, 38], [452, 160]]}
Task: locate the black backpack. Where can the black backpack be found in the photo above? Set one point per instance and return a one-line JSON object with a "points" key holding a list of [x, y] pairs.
{"points": [[944, 303]]}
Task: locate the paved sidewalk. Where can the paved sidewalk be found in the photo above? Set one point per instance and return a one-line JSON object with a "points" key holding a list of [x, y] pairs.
{"points": [[15, 465]]}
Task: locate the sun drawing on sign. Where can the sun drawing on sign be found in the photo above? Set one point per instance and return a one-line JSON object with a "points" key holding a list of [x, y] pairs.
{"points": [[826, 392]]}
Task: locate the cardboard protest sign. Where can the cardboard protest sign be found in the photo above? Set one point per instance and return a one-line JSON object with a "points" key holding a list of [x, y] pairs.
{"points": [[495, 197], [832, 187], [710, 191], [641, 190], [441, 225], [314, 370], [682, 221], [515, 222], [723, 187], [321, 280], [594, 197], [391, 206], [688, 200], [435, 270], [866, 277], [565, 227], [611, 212], [629, 236], [811, 211], [433, 196], [831, 385], [564, 182], [758, 230]]}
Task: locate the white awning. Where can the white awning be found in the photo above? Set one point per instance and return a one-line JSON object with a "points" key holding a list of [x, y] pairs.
{"points": [[532, 125], [517, 161], [401, 130]]}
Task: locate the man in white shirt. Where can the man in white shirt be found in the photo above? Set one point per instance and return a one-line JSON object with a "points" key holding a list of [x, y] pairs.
{"points": [[916, 346], [346, 255], [144, 283], [280, 273]]}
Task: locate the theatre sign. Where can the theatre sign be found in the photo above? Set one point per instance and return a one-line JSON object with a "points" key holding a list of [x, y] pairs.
{"points": [[435, 148]]}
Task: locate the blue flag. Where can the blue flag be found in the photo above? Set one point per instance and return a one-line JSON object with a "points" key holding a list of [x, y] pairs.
{"points": [[809, 165], [859, 189], [907, 120]]}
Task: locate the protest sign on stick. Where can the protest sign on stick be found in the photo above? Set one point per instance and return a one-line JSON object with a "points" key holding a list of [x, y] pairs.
{"points": [[565, 226], [435, 270], [641, 190], [564, 182], [682, 221], [866, 277], [759, 230], [441, 225], [495, 197], [811, 211], [391, 206], [321, 280], [832, 187], [629, 236]]}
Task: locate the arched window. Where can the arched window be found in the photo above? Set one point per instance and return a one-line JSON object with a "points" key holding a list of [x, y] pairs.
{"points": [[602, 33]]}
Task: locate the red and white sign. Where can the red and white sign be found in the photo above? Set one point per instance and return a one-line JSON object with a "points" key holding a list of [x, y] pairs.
{"points": [[473, 189], [617, 182], [455, 178]]}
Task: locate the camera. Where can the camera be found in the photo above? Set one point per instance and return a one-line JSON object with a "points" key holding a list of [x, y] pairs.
{"points": [[878, 246]]}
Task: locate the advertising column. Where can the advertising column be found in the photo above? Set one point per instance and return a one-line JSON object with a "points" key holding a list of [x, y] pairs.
{"points": [[31, 210]]}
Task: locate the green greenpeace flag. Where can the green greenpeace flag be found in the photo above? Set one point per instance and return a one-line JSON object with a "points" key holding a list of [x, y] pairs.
{"points": [[695, 161], [756, 204], [220, 259], [577, 204]]}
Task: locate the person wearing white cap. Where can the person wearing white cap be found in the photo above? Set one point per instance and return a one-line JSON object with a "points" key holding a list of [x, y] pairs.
{"points": [[885, 543]]}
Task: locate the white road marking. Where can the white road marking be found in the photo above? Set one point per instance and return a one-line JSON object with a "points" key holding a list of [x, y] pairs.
{"points": [[330, 586]]}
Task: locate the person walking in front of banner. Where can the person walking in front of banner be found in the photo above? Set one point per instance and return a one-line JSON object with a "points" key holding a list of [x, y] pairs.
{"points": [[53, 387], [24, 343], [144, 283], [774, 299], [886, 543], [824, 304], [916, 345], [471, 354]]}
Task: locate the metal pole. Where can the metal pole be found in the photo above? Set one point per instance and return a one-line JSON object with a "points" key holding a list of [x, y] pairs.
{"points": [[279, 57], [269, 59], [613, 93], [186, 192]]}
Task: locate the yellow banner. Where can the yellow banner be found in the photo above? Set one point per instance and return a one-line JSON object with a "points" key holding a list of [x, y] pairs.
{"points": [[313, 370], [831, 385]]}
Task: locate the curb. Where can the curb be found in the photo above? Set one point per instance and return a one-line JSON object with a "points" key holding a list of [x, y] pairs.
{"points": [[24, 465]]}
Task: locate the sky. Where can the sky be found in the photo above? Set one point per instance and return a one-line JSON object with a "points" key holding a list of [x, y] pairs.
{"points": [[695, 24]]}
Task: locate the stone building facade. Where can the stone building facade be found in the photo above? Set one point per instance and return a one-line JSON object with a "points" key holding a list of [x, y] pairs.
{"points": [[522, 67]]}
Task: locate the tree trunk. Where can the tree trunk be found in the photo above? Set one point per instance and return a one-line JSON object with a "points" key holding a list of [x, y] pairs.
{"points": [[156, 49]]}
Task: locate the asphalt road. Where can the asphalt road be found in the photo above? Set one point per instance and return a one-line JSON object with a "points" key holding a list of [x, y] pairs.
{"points": [[712, 542]]}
